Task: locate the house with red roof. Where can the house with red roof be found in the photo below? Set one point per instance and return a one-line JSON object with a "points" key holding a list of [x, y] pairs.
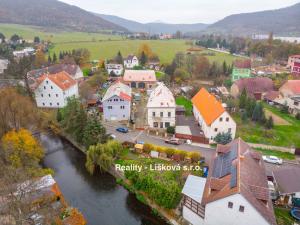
{"points": [[143, 79], [117, 102], [53, 90], [235, 192], [255, 87], [290, 95], [212, 116]]}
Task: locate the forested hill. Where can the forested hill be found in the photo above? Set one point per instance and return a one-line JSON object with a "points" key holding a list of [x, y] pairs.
{"points": [[53, 14], [283, 21]]}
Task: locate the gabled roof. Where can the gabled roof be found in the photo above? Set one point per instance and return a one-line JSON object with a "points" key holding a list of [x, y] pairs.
{"points": [[287, 180], [293, 86], [161, 96], [63, 80], [118, 89], [139, 75], [235, 169], [71, 69], [130, 57], [255, 85], [209, 107], [272, 95], [242, 64], [194, 187]]}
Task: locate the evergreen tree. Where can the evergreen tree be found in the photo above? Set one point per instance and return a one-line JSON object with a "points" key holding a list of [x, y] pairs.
{"points": [[243, 99], [270, 123], [2, 37], [54, 59], [119, 58], [244, 116], [59, 115], [49, 59], [93, 133], [258, 113], [143, 58], [223, 138], [36, 40], [61, 56], [225, 68]]}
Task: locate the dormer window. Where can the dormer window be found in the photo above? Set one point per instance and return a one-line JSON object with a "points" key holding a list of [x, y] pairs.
{"points": [[230, 205], [242, 208]]}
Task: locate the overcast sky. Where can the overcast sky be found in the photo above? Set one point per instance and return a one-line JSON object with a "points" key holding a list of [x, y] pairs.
{"points": [[178, 11]]}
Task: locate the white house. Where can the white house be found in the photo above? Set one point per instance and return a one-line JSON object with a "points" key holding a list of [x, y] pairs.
{"points": [[25, 52], [212, 116], [115, 69], [234, 193], [161, 108], [3, 65], [117, 102], [53, 90], [131, 61]]}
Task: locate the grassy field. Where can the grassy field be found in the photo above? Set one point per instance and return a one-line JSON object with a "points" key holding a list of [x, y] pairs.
{"points": [[186, 103], [280, 135], [283, 216], [282, 155], [103, 46]]}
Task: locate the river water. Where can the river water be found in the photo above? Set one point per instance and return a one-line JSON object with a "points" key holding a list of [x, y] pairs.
{"points": [[101, 200]]}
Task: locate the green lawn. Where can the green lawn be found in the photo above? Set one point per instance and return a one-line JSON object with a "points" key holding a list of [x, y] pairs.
{"points": [[181, 100], [103, 46], [280, 135], [218, 57], [283, 216], [282, 155]]}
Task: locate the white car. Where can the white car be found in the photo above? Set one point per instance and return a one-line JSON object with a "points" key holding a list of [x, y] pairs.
{"points": [[272, 159]]}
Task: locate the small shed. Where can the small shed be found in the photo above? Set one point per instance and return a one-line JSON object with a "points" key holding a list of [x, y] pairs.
{"points": [[180, 110], [154, 154], [139, 148]]}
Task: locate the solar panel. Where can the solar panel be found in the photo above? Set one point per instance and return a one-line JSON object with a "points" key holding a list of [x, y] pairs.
{"points": [[222, 165], [233, 151], [233, 180]]}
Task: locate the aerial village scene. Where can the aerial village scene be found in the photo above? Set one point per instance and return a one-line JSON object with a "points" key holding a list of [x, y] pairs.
{"points": [[108, 121]]}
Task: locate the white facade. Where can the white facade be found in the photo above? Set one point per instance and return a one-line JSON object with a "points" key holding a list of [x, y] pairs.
{"points": [[191, 217], [223, 124], [116, 109], [131, 62], [161, 108], [50, 95], [218, 212], [3, 65], [117, 69]]}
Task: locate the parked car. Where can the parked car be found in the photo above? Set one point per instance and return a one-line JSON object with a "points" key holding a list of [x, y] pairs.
{"points": [[272, 159], [173, 141], [112, 136], [122, 129]]}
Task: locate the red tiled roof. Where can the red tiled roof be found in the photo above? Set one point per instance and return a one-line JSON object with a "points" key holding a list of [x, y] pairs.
{"points": [[255, 85], [251, 180], [242, 64], [207, 104], [293, 86], [271, 95], [63, 80]]}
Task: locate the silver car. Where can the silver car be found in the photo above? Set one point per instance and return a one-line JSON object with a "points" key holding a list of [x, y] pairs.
{"points": [[272, 159]]}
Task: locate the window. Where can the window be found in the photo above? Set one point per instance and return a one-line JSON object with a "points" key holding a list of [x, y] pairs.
{"points": [[227, 119], [42, 95], [216, 129], [230, 205], [47, 82], [161, 114], [51, 87], [109, 107], [43, 103], [155, 124], [56, 95], [167, 124], [49, 95], [51, 103], [153, 114], [169, 114], [123, 116], [221, 119], [242, 208], [161, 125], [44, 87], [122, 107], [57, 103], [229, 130]]}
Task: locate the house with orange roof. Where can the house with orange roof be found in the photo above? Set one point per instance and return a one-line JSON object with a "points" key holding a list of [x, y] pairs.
{"points": [[53, 90], [161, 108], [235, 192], [212, 116]]}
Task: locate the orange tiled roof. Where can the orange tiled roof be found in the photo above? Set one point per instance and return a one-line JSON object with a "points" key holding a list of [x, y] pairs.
{"points": [[63, 80], [207, 104]]}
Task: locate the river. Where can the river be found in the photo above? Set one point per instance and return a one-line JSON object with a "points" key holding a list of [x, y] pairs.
{"points": [[101, 200]]}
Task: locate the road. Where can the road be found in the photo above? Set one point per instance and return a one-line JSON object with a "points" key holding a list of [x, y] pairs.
{"points": [[133, 136]]}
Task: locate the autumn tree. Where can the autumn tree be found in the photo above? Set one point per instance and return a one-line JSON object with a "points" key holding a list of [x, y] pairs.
{"points": [[201, 67], [146, 49], [16, 111], [40, 59], [93, 132]]}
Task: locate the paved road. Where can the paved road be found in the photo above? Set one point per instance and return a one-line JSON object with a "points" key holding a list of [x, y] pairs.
{"points": [[132, 136]]}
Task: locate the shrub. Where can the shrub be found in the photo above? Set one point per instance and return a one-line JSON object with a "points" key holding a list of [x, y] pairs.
{"points": [[298, 116], [160, 149], [195, 156], [170, 152], [182, 154], [223, 138], [171, 130], [269, 124], [147, 148]]}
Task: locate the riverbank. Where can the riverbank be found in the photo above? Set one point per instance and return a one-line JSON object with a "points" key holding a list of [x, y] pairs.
{"points": [[167, 215]]}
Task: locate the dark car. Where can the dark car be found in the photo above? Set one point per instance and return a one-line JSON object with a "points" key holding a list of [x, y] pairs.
{"points": [[122, 129], [173, 141]]}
